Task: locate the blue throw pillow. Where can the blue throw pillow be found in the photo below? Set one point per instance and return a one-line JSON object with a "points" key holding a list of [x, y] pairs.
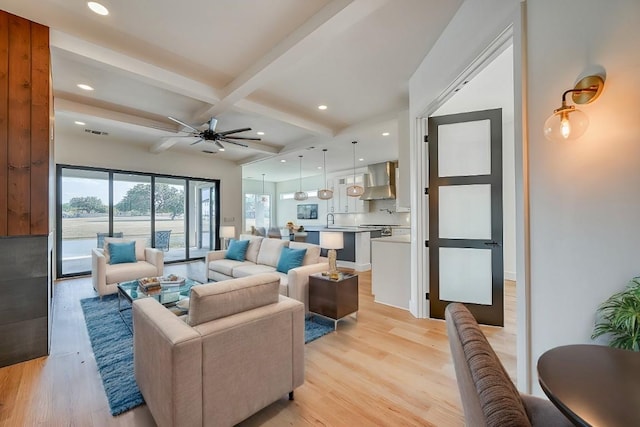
{"points": [[120, 253], [290, 258], [237, 249]]}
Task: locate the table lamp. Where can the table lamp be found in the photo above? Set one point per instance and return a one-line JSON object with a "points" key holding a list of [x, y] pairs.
{"points": [[332, 240], [227, 232]]}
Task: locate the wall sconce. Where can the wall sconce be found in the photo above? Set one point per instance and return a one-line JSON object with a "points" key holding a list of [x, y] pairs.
{"points": [[567, 122]]}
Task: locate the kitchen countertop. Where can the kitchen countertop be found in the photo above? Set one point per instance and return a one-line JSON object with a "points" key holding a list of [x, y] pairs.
{"points": [[339, 228], [405, 238]]}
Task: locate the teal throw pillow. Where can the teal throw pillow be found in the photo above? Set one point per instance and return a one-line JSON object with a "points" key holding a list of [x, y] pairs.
{"points": [[290, 258], [119, 253], [237, 249]]}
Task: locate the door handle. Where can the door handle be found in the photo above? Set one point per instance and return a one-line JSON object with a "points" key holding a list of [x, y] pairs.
{"points": [[492, 243]]}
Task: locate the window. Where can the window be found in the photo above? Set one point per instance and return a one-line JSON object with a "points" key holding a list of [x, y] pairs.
{"points": [[93, 203], [257, 211]]}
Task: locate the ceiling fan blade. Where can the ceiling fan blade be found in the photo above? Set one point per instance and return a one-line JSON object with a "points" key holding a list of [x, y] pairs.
{"points": [[243, 137], [183, 124], [212, 124], [219, 144], [234, 142], [228, 132], [194, 143]]}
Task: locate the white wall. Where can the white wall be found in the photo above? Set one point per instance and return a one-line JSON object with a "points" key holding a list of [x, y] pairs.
{"points": [[95, 151], [585, 204]]}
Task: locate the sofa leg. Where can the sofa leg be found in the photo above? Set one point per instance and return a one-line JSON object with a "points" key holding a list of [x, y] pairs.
{"points": [[290, 395]]}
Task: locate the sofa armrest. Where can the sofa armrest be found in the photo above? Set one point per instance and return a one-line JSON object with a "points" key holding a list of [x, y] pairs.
{"points": [[167, 356], [298, 281], [99, 271], [214, 255], [155, 257]]}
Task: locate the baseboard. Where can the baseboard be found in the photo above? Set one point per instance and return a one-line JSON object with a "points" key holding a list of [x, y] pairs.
{"points": [[510, 275], [354, 266]]}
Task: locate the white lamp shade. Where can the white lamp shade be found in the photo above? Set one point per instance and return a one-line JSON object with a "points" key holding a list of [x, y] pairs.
{"points": [[228, 231], [331, 240]]}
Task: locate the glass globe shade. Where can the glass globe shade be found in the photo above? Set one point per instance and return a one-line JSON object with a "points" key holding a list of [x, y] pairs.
{"points": [[564, 125]]}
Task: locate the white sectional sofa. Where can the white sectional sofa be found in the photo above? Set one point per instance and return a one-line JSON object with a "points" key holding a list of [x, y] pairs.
{"points": [[262, 256]]}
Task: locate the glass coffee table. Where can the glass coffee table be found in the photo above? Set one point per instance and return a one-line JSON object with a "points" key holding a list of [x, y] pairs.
{"points": [[165, 295]]}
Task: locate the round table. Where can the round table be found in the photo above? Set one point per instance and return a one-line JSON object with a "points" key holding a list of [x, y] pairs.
{"points": [[593, 385]]}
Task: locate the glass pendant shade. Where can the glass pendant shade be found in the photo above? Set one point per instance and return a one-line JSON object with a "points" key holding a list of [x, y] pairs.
{"points": [[325, 193], [354, 190], [300, 195], [566, 124]]}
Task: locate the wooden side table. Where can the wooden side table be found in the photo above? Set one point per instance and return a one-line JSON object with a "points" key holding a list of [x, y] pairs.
{"points": [[334, 299]]}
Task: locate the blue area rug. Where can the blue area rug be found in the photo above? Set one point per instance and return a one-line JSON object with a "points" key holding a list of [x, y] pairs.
{"points": [[112, 345]]}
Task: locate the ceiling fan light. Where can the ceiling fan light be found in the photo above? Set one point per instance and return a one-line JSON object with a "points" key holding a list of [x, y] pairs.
{"points": [[355, 191], [325, 194], [300, 196]]}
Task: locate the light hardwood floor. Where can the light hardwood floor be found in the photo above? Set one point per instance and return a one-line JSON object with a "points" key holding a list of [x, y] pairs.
{"points": [[384, 369]]}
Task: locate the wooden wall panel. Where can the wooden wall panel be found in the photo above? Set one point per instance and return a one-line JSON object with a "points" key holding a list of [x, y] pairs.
{"points": [[39, 190], [25, 150], [4, 100], [19, 176]]}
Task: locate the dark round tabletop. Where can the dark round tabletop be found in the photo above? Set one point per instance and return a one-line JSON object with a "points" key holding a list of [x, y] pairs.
{"points": [[593, 385]]}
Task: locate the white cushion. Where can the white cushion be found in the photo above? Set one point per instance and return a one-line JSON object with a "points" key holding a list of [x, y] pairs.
{"points": [[250, 270], [226, 266], [313, 252], [254, 246], [125, 272], [270, 251]]}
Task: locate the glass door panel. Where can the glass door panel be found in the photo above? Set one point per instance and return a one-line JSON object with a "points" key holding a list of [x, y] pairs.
{"points": [[170, 222], [457, 219], [471, 284], [84, 217], [132, 206], [202, 219]]}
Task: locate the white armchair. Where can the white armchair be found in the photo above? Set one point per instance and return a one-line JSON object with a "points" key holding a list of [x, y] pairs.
{"points": [[105, 276]]}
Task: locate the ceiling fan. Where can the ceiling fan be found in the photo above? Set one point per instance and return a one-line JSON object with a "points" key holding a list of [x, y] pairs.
{"points": [[217, 138]]}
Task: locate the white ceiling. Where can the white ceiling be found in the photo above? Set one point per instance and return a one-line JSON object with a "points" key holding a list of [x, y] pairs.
{"points": [[251, 63]]}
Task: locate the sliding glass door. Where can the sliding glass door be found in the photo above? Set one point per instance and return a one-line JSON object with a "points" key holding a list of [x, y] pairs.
{"points": [[178, 215]]}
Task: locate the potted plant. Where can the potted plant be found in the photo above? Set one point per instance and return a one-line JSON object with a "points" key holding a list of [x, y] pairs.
{"points": [[619, 318]]}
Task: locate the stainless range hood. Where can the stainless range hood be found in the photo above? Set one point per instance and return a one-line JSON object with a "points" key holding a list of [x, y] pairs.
{"points": [[380, 182]]}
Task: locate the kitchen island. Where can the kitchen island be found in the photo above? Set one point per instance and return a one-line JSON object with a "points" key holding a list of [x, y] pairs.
{"points": [[356, 253], [391, 270]]}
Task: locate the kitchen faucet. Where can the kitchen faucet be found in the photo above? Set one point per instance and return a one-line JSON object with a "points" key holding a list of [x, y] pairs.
{"points": [[333, 219]]}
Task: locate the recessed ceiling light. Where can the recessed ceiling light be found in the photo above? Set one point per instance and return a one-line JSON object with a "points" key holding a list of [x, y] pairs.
{"points": [[260, 133], [84, 86], [385, 133], [319, 167], [79, 123], [361, 160], [283, 161], [98, 8], [220, 149], [322, 107]]}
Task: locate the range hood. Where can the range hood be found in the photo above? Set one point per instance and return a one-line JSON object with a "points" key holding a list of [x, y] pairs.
{"points": [[380, 182]]}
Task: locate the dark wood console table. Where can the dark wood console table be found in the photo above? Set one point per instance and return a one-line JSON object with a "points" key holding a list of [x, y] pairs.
{"points": [[593, 385]]}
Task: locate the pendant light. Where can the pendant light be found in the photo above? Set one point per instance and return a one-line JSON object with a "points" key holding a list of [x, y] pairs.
{"points": [[263, 195], [325, 193], [300, 195], [354, 190]]}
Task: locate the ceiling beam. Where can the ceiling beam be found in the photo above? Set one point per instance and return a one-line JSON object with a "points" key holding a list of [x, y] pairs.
{"points": [[143, 71], [68, 105], [331, 20]]}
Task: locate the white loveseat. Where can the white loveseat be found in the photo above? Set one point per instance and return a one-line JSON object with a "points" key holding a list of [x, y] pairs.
{"points": [[105, 276], [262, 256]]}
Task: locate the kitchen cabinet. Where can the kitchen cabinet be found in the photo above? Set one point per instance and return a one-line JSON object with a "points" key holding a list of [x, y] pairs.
{"points": [[343, 203]]}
